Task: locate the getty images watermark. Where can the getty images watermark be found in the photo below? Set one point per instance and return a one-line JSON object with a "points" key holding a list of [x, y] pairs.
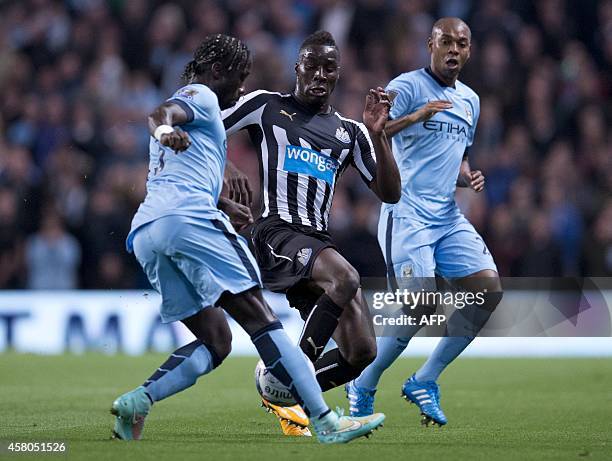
{"points": [[416, 300], [524, 307]]}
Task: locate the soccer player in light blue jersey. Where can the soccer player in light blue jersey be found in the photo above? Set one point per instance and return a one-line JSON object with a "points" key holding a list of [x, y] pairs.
{"points": [[195, 259], [432, 122]]}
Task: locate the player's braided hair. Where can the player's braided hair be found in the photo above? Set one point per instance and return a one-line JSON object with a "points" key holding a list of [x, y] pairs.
{"points": [[320, 37], [232, 53]]}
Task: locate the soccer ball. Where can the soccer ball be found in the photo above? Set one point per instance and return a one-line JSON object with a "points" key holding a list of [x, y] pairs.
{"points": [[271, 388]]}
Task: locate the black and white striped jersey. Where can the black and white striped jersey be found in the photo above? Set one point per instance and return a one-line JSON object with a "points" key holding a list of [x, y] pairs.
{"points": [[301, 154]]}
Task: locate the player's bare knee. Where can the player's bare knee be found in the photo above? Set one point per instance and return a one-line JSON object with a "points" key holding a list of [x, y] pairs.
{"points": [[249, 310], [223, 347], [492, 292], [361, 354], [346, 283], [492, 300], [486, 285]]}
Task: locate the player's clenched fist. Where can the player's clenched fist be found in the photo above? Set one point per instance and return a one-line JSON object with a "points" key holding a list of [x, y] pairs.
{"points": [[177, 140], [477, 180]]}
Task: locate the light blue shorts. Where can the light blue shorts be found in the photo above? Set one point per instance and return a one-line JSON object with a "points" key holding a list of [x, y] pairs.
{"points": [[412, 249], [192, 261]]}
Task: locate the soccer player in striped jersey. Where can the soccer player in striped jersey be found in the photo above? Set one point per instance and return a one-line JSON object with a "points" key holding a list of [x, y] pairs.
{"points": [[304, 145], [432, 122], [196, 261]]}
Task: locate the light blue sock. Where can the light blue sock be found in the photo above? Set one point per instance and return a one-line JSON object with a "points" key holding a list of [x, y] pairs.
{"points": [[445, 352], [462, 328], [388, 350], [181, 370], [289, 365]]}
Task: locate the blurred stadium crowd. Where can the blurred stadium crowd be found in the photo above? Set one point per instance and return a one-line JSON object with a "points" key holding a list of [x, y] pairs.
{"points": [[78, 77]]}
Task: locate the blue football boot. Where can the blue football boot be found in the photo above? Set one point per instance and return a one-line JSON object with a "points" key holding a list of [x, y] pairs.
{"points": [[426, 396], [361, 400]]}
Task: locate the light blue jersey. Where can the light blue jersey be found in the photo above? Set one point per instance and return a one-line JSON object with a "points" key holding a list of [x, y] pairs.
{"points": [[425, 233], [429, 154], [185, 244], [187, 183]]}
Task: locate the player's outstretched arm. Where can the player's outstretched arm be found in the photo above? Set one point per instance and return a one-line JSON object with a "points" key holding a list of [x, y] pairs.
{"points": [[163, 126], [387, 185], [392, 127]]}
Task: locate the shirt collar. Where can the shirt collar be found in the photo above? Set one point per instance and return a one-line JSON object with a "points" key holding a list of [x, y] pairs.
{"points": [[435, 77]]}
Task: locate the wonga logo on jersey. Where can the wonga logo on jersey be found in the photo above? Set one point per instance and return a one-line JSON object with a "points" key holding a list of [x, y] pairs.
{"points": [[307, 161]]}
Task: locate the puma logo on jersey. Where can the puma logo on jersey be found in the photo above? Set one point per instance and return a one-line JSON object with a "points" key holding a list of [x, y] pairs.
{"points": [[287, 114]]}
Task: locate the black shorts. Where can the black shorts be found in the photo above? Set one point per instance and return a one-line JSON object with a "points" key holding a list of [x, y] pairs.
{"points": [[286, 253]]}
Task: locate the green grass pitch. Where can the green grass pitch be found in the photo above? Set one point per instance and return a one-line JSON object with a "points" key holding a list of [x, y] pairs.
{"points": [[498, 409]]}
